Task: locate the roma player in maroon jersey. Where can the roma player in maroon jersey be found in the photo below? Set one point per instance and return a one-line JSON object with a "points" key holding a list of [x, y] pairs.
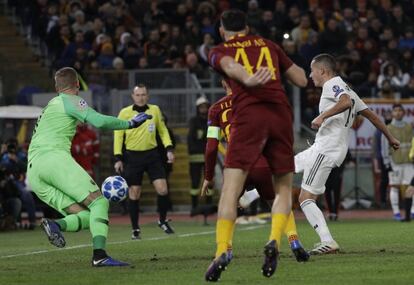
{"points": [[261, 125], [260, 176]]}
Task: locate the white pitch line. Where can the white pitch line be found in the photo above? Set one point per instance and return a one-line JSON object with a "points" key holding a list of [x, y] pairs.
{"points": [[122, 242]]}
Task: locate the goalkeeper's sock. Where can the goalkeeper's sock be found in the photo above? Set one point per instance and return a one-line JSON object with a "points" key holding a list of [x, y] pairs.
{"points": [[279, 221], [290, 229], [224, 235], [133, 208], [163, 203], [74, 222], [394, 195], [316, 219], [99, 222]]}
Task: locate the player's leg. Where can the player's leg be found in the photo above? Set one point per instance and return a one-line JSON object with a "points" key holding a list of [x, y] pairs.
{"points": [[408, 173], [313, 185], [233, 183], [278, 152], [157, 175], [395, 180], [134, 170]]}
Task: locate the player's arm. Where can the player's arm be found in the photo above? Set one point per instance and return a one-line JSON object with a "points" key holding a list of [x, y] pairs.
{"points": [[367, 113], [119, 136], [411, 154], [343, 104], [237, 72], [296, 75]]}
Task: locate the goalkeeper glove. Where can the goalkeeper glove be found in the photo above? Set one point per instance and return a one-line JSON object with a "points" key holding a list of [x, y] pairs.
{"points": [[138, 120]]}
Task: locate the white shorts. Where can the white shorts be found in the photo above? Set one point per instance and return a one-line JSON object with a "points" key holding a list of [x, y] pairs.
{"points": [[316, 168], [401, 174]]}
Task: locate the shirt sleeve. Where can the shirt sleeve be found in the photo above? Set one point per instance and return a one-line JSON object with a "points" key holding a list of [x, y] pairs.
{"points": [[119, 136], [162, 128], [359, 105], [214, 57], [284, 61], [79, 109], [213, 130]]}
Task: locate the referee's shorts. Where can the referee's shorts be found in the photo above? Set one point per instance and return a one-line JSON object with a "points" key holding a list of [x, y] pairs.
{"points": [[138, 162]]}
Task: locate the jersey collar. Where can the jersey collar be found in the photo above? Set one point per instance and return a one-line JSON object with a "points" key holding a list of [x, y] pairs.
{"points": [[140, 108], [237, 36]]}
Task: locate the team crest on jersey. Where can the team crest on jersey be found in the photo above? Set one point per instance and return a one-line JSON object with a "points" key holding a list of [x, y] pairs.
{"points": [[337, 90], [82, 104], [151, 127]]}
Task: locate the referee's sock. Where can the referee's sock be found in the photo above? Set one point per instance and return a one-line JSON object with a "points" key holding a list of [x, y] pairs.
{"points": [[163, 203], [133, 207]]}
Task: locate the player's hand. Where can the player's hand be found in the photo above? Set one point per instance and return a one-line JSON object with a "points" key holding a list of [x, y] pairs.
{"points": [[170, 157], [205, 188], [261, 77], [119, 167], [317, 122], [138, 120], [394, 143]]}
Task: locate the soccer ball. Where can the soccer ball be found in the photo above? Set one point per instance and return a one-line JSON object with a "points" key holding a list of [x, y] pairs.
{"points": [[115, 188]]}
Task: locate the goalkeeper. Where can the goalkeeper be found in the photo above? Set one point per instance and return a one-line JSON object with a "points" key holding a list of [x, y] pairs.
{"points": [[55, 176]]}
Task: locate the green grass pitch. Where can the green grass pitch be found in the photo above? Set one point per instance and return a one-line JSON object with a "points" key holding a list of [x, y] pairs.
{"points": [[373, 252]]}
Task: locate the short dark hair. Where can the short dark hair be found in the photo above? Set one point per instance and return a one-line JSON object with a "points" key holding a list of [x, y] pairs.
{"points": [[66, 78], [398, 105], [326, 60], [233, 20]]}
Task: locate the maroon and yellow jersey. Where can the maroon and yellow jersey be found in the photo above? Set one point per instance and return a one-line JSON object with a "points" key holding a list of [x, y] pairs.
{"points": [[219, 115], [253, 52], [219, 123]]}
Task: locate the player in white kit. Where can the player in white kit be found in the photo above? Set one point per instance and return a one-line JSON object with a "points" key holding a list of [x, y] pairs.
{"points": [[338, 107]]}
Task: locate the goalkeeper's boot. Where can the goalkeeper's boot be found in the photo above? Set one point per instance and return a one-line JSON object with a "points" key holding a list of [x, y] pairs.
{"points": [[52, 230], [165, 226], [326, 247], [271, 255], [108, 262], [298, 250], [216, 267]]}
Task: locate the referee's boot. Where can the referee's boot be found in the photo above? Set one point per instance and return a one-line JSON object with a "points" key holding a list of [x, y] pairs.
{"points": [[216, 267], [52, 230], [271, 255], [165, 226]]}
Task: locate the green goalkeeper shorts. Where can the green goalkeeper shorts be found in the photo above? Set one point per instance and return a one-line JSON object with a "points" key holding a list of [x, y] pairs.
{"points": [[58, 180]]}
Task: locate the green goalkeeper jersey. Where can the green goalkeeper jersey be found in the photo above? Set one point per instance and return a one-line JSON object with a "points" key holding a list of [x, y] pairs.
{"points": [[56, 126]]}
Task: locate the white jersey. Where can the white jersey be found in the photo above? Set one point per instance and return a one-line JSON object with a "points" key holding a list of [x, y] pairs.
{"points": [[333, 135]]}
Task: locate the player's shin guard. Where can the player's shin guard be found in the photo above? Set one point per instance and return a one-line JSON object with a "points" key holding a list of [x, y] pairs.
{"points": [[99, 222], [163, 203], [316, 219], [224, 235], [133, 208], [279, 221], [290, 229], [394, 195], [75, 222]]}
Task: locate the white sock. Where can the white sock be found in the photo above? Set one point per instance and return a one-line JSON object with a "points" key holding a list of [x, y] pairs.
{"points": [[412, 205], [248, 197], [394, 192], [316, 219]]}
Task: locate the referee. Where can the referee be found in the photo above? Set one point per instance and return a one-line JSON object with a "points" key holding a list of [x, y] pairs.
{"points": [[137, 150]]}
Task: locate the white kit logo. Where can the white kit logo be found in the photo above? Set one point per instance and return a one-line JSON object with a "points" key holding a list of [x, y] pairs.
{"points": [[151, 127]]}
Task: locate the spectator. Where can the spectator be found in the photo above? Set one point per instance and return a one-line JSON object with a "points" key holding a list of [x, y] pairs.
{"points": [[393, 73], [302, 33], [106, 57], [332, 39], [386, 91], [408, 91], [80, 25]]}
